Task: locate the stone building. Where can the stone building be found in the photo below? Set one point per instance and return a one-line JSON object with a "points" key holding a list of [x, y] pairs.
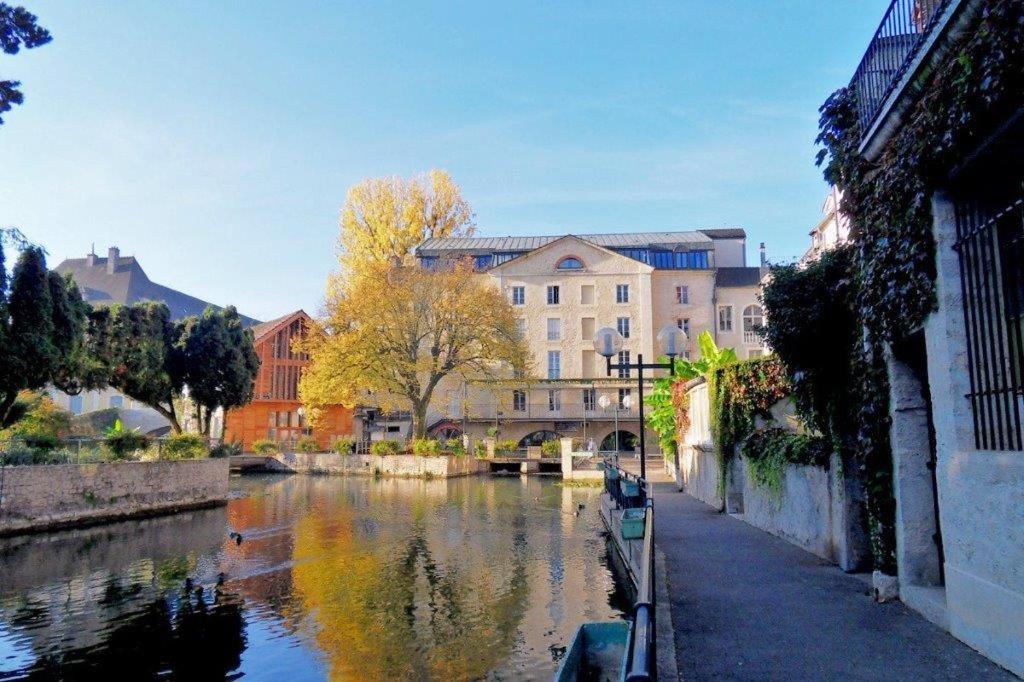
{"points": [[565, 288], [956, 384]]}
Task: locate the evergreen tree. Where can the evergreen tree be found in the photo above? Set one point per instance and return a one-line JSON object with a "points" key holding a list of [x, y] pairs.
{"points": [[18, 28]]}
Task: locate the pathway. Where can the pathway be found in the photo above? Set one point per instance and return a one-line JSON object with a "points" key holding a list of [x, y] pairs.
{"points": [[747, 605]]}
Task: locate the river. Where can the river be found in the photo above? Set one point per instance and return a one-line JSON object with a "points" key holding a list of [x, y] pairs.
{"points": [[331, 578]]}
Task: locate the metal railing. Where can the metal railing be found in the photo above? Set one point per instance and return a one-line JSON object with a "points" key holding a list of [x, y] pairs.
{"points": [[627, 490], [895, 44], [541, 411], [641, 663]]}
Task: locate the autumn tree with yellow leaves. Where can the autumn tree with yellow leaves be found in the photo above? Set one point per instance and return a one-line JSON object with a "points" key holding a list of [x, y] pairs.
{"points": [[393, 330]]}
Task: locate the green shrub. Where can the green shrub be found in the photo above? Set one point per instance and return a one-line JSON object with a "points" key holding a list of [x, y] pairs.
{"points": [[19, 454], [307, 444], [225, 449], [455, 447], [265, 446], [506, 447], [122, 443], [426, 447], [493, 431], [385, 447], [480, 450], [551, 448], [183, 446], [344, 445]]}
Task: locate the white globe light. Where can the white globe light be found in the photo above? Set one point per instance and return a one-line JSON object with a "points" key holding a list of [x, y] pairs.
{"points": [[607, 341], [672, 341], [627, 402], [604, 401]]}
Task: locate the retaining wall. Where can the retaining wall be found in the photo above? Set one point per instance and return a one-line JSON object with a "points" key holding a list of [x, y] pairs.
{"points": [[447, 466], [65, 495]]}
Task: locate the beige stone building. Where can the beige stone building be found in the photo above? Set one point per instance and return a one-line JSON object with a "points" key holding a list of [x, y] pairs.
{"points": [[567, 287]]}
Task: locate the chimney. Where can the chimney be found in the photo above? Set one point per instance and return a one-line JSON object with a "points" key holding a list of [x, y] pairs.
{"points": [[90, 258], [764, 256], [113, 253]]}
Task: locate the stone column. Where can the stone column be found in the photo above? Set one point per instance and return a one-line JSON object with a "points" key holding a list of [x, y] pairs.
{"points": [[566, 458]]}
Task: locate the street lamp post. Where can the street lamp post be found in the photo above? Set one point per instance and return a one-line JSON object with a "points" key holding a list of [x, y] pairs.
{"points": [[671, 341]]}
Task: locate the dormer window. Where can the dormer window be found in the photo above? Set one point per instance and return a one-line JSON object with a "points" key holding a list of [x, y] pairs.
{"points": [[570, 263]]}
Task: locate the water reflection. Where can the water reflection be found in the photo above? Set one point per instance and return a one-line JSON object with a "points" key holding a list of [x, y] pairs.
{"points": [[333, 578]]}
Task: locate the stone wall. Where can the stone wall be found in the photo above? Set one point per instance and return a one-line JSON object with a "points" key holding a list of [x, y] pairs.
{"points": [[447, 466], [65, 495], [817, 509], [699, 473]]}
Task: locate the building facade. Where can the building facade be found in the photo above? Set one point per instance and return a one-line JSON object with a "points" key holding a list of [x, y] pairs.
{"points": [[957, 385], [564, 288], [275, 412]]}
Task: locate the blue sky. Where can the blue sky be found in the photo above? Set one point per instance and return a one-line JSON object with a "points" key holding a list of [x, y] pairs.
{"points": [[215, 140]]}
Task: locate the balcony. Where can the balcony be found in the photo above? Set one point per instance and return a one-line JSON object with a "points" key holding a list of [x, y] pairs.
{"points": [[751, 338], [540, 411], [905, 28]]}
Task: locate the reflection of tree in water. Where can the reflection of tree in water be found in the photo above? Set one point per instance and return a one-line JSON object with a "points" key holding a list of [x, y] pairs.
{"points": [[186, 638], [418, 606]]}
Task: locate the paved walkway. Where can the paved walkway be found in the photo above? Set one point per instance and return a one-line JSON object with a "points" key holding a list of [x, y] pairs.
{"points": [[747, 605]]}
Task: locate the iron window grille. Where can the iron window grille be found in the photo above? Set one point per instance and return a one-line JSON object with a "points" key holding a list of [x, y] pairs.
{"points": [[990, 246]]}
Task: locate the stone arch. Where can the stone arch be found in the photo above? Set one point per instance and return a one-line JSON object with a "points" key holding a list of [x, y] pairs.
{"points": [[538, 437], [627, 441]]}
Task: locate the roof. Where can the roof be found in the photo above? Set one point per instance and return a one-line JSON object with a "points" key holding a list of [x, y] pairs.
{"points": [[265, 328], [128, 284], [693, 238], [726, 233], [528, 254], [737, 277]]}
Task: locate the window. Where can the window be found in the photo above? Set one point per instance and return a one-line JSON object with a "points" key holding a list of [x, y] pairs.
{"points": [[76, 404], [682, 294], [554, 329], [589, 363], [521, 327], [553, 294], [725, 318], [554, 400], [587, 328], [623, 360], [755, 353], [589, 399], [753, 318], [483, 262], [622, 293], [570, 263], [684, 324], [587, 294], [623, 326], [625, 398], [554, 364], [519, 401], [990, 250], [116, 401], [518, 295]]}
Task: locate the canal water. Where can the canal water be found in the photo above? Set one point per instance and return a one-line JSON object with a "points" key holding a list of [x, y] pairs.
{"points": [[331, 578]]}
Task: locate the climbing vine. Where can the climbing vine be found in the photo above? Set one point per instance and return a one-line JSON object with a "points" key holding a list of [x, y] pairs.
{"points": [[739, 393], [889, 204], [768, 451]]}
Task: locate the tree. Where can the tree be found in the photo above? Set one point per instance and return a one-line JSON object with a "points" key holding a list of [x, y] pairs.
{"points": [[18, 28], [219, 362], [135, 346], [42, 320], [384, 219], [397, 330]]}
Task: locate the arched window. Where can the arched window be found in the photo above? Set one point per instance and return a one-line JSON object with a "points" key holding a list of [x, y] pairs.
{"points": [[753, 318], [570, 263]]}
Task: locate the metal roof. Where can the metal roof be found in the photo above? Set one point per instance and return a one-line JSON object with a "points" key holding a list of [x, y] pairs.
{"points": [[692, 238]]}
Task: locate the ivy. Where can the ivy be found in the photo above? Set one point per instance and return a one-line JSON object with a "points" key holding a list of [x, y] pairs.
{"points": [[769, 451], [889, 204], [740, 392]]}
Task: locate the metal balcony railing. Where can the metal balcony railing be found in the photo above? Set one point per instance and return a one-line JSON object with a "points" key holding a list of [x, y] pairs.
{"points": [[542, 411], [904, 28]]}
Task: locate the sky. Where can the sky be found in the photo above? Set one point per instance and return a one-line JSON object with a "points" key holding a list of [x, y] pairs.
{"points": [[215, 140]]}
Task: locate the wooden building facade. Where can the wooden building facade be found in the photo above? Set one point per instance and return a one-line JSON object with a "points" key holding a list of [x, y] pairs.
{"points": [[276, 412]]}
